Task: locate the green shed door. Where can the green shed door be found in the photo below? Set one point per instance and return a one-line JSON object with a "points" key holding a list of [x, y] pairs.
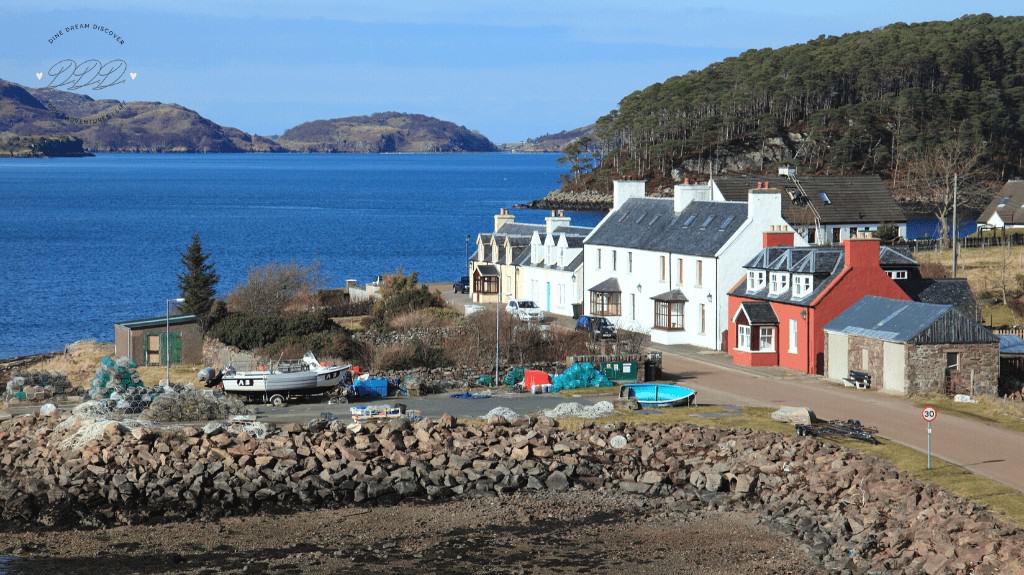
{"points": [[174, 347]]}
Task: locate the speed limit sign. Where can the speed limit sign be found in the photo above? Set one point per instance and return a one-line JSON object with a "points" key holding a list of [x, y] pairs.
{"points": [[929, 413]]}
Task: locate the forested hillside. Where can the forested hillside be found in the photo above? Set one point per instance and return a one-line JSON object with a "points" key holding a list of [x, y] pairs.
{"points": [[866, 102]]}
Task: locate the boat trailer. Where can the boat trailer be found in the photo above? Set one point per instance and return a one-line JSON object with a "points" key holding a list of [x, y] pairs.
{"points": [[851, 428]]}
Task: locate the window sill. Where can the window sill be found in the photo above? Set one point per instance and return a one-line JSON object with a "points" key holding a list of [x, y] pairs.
{"points": [[660, 328], [754, 350]]}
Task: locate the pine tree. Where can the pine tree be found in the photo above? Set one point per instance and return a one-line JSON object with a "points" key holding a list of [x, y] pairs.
{"points": [[198, 283]]}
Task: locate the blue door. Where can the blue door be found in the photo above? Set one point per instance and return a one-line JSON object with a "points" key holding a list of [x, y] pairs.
{"points": [[548, 308]]}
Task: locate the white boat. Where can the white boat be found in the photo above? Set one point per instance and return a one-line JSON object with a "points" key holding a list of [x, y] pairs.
{"points": [[276, 383]]}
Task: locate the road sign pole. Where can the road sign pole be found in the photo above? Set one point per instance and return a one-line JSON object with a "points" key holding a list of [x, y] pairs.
{"points": [[929, 445], [929, 413]]}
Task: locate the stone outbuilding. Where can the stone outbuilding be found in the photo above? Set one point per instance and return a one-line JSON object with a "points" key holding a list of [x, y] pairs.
{"points": [[911, 347], [146, 341]]}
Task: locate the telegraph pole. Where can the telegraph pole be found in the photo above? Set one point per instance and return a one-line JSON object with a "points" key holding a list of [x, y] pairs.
{"points": [[956, 234]]}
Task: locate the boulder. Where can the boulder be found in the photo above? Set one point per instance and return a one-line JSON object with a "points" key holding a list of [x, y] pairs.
{"points": [[794, 415]]}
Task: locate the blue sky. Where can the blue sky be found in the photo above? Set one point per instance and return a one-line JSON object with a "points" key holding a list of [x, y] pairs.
{"points": [[510, 70]]}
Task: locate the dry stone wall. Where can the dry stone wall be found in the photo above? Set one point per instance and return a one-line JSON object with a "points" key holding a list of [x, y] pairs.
{"points": [[855, 513]]}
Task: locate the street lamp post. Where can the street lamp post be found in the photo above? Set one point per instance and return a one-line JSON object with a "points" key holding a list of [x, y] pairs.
{"points": [[167, 336], [497, 334]]}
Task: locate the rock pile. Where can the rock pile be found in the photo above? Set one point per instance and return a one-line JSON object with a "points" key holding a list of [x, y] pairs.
{"points": [[853, 512]]}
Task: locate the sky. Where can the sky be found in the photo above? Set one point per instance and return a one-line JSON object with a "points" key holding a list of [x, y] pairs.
{"points": [[510, 70]]}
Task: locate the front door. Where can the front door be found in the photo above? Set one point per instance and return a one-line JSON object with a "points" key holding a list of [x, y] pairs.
{"points": [[153, 349], [174, 347], [548, 306]]}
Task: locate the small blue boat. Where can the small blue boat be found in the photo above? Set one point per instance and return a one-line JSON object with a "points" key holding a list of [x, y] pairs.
{"points": [[658, 394]]}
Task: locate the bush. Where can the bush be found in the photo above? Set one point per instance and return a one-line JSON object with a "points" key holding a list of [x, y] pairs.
{"points": [[335, 344], [408, 355], [252, 331], [276, 288], [400, 294], [349, 308], [933, 270]]}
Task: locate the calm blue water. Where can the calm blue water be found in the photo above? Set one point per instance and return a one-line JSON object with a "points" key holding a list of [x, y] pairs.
{"points": [[85, 242]]}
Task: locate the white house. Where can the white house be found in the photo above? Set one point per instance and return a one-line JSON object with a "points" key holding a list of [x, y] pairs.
{"points": [[551, 271], [1006, 210], [665, 265]]}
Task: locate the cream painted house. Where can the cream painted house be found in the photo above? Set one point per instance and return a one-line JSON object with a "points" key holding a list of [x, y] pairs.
{"points": [[497, 267]]}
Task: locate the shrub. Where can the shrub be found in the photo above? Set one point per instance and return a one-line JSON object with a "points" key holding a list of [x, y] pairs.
{"points": [[276, 288], [252, 331], [400, 294], [336, 344], [933, 270]]}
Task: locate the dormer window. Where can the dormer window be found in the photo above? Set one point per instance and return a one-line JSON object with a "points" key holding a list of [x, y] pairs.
{"points": [[802, 285], [779, 282], [897, 274], [755, 280]]}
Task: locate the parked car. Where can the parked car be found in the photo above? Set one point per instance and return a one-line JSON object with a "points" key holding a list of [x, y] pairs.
{"points": [[597, 327], [461, 286], [525, 310]]}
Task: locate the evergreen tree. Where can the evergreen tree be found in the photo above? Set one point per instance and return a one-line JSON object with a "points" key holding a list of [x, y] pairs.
{"points": [[198, 282]]}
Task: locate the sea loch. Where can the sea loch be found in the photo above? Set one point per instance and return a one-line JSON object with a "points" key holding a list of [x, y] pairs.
{"points": [[85, 242]]}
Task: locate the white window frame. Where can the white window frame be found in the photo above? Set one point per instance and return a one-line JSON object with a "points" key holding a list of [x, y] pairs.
{"points": [[778, 282], [897, 274], [766, 334], [743, 337], [802, 285], [755, 280], [793, 330]]}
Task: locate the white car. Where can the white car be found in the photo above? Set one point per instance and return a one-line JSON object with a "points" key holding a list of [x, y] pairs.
{"points": [[525, 310]]}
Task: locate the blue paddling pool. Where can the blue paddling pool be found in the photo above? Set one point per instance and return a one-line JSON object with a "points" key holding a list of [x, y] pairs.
{"points": [[658, 394]]}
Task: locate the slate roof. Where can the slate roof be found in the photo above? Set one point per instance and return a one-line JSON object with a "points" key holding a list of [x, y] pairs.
{"points": [[671, 296], [909, 322], [759, 313], [823, 263], [488, 270], [652, 224], [607, 286], [851, 199], [526, 230], [1008, 202], [950, 291]]}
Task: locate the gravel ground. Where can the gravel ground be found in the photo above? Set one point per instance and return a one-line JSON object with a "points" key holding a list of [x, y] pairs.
{"points": [[582, 532]]}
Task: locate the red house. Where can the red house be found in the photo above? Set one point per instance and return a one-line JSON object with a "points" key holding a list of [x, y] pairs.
{"points": [[779, 311]]}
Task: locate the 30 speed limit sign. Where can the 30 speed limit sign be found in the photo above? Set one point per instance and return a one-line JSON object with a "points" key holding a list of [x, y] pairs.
{"points": [[929, 413]]}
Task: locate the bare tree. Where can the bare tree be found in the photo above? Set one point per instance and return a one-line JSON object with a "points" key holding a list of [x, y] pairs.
{"points": [[930, 178], [275, 288]]}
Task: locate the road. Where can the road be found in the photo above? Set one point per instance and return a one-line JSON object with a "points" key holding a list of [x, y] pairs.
{"points": [[988, 450]]}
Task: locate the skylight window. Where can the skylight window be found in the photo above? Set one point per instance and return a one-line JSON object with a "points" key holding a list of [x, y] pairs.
{"points": [[707, 221], [824, 198], [725, 223], [689, 220]]}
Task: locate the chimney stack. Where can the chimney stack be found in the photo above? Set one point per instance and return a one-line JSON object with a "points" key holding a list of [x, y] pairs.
{"points": [[685, 193], [862, 251], [624, 190], [502, 218], [763, 202], [556, 220], [777, 236]]}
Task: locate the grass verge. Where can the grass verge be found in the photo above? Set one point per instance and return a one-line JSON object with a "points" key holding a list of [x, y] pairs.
{"points": [[1004, 501], [991, 410]]}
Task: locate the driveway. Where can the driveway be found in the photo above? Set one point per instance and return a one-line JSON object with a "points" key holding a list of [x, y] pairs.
{"points": [[986, 449]]}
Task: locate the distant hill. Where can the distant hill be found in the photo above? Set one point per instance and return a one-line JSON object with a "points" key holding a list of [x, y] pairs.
{"points": [[860, 103], [110, 126], [384, 132], [549, 142]]}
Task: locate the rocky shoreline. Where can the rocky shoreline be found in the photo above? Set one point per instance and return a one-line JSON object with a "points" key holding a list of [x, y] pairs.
{"points": [[587, 201], [851, 512]]}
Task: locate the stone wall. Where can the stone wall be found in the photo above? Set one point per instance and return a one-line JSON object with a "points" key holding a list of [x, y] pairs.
{"points": [[855, 513], [926, 366], [855, 358]]}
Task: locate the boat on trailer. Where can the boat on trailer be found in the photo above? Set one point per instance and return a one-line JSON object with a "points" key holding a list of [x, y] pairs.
{"points": [[658, 394], [276, 383]]}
